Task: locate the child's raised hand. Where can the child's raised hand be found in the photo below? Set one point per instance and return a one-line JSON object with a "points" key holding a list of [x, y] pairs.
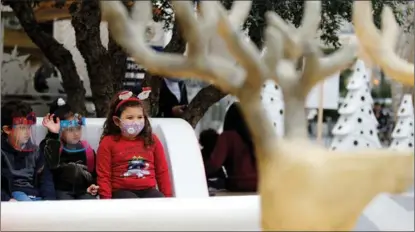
{"points": [[93, 189], [50, 124]]}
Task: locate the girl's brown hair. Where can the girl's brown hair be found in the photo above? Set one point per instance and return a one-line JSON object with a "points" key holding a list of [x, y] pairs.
{"points": [[110, 128]]}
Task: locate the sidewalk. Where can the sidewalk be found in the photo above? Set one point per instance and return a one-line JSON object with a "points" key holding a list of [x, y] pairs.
{"points": [[389, 213]]}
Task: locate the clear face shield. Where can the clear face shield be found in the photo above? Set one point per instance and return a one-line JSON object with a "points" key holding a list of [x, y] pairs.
{"points": [[22, 133], [71, 134]]}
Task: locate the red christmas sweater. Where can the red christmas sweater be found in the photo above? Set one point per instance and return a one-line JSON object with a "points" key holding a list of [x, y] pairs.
{"points": [[127, 164]]}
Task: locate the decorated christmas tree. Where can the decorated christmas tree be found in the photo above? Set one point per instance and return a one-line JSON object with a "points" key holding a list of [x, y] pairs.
{"points": [[356, 127], [403, 133]]}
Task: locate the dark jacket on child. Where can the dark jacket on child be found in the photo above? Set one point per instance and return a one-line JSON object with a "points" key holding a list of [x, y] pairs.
{"points": [[24, 171], [72, 172]]}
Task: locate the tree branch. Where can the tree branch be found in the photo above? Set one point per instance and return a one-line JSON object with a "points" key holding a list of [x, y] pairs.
{"points": [[203, 100], [55, 52], [86, 22], [118, 64]]}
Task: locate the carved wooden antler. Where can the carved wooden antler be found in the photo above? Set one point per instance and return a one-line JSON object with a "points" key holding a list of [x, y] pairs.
{"points": [[129, 32], [303, 186], [298, 43], [381, 45]]}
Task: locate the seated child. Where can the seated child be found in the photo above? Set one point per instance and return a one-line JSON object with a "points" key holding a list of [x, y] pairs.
{"points": [[71, 159], [24, 176], [130, 158]]}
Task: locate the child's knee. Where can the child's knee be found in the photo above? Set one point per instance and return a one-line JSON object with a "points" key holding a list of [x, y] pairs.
{"points": [[153, 193], [87, 196], [122, 194]]}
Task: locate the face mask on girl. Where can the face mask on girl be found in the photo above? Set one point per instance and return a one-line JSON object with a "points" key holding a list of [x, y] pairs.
{"points": [[131, 129], [132, 119]]}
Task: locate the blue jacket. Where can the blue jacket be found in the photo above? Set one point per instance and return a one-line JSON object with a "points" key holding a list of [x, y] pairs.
{"points": [[26, 172]]}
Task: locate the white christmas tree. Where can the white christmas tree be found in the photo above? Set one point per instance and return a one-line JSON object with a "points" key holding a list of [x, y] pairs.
{"points": [[273, 103], [403, 133], [356, 127], [271, 97]]}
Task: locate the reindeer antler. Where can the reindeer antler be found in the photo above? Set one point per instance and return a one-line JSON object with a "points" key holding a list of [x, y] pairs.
{"points": [[296, 176], [129, 32], [244, 81], [380, 45], [301, 43]]}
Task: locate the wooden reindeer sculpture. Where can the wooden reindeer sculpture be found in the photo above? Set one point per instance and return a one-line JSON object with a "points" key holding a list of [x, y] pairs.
{"points": [[303, 186], [380, 46]]}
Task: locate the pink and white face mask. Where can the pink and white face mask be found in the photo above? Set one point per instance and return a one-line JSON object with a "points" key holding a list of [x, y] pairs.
{"points": [[131, 129]]}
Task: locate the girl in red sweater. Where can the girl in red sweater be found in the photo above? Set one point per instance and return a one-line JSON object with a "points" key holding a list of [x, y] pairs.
{"points": [[130, 158]]}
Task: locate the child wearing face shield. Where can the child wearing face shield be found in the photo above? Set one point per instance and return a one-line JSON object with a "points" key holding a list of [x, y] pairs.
{"points": [[70, 158], [24, 176], [131, 162]]}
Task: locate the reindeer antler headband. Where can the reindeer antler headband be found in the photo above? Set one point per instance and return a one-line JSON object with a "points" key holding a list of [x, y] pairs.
{"points": [[127, 96]]}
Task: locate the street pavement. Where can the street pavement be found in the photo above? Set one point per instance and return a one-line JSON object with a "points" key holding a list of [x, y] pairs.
{"points": [[389, 213]]}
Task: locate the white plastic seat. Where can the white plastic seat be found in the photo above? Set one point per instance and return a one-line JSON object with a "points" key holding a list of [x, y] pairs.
{"points": [[180, 145]]}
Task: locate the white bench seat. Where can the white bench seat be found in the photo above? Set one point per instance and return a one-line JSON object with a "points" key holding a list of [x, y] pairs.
{"points": [[180, 145]]}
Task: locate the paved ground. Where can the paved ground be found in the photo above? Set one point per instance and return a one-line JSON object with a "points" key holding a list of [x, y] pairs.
{"points": [[389, 213], [384, 213]]}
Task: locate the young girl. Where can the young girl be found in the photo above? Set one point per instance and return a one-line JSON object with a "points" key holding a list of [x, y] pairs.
{"points": [[71, 160], [130, 159]]}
